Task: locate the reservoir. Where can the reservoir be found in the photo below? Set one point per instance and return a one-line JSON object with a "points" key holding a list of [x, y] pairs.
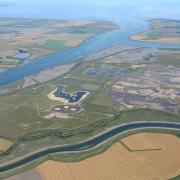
{"points": [[70, 98]]}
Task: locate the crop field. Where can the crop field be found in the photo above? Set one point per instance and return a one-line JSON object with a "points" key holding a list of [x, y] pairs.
{"points": [[5, 144], [33, 174], [140, 156], [150, 141]]}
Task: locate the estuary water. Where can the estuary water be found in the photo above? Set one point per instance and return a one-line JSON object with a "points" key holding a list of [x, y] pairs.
{"points": [[120, 36]]}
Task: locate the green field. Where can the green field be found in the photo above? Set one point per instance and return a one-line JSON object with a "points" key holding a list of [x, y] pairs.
{"points": [[55, 45]]}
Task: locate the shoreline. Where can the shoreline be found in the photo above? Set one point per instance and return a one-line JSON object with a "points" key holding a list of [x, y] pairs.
{"points": [[141, 38]]}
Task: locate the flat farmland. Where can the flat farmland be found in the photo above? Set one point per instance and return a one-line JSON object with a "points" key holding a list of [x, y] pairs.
{"points": [[24, 40], [33, 174], [156, 157]]}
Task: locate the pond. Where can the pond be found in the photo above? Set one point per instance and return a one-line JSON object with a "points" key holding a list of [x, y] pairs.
{"points": [[22, 55], [70, 98]]}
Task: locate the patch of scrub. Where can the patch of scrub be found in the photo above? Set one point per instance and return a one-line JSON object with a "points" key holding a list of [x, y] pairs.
{"points": [[150, 90], [61, 95]]}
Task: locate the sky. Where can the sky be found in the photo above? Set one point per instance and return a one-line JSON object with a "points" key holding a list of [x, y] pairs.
{"points": [[90, 9]]}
